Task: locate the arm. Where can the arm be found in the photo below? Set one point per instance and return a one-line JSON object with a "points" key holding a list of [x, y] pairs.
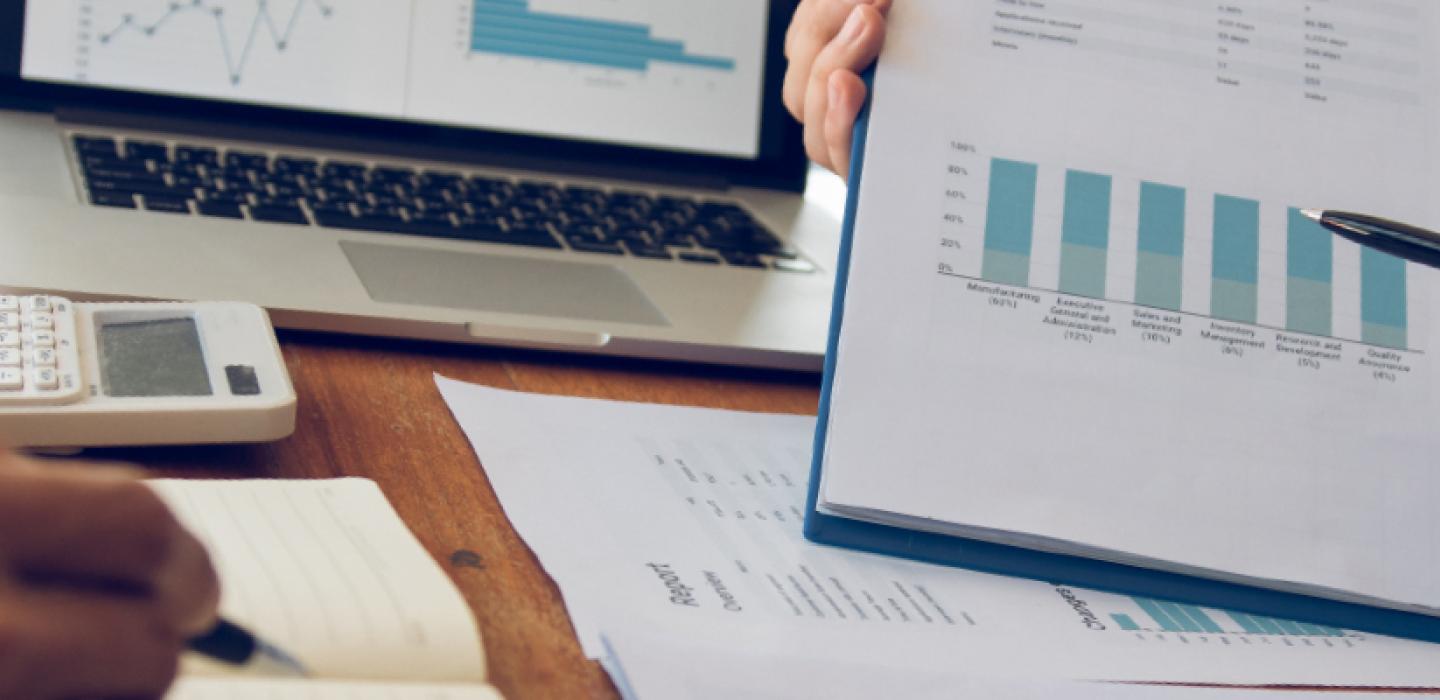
{"points": [[829, 43], [100, 587]]}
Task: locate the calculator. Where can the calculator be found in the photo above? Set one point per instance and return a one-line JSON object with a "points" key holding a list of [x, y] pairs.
{"points": [[78, 375]]}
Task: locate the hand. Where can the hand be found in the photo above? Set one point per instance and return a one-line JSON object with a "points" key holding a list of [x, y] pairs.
{"points": [[830, 42], [100, 586]]}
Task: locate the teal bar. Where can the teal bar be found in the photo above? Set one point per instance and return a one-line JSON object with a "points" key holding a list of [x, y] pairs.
{"points": [[1234, 301], [1157, 281], [1236, 259], [510, 27], [1161, 246], [1162, 619], [522, 9], [1085, 234], [1125, 622], [1009, 221], [1332, 632], [1309, 297], [1290, 628], [1313, 630], [1384, 308], [1179, 616], [1247, 624], [1270, 626], [1201, 619]]}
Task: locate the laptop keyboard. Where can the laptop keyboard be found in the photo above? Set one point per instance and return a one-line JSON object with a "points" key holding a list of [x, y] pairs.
{"points": [[235, 184]]}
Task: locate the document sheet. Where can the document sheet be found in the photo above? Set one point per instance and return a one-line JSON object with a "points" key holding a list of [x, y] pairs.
{"points": [[656, 667], [261, 689], [686, 523], [327, 571], [1085, 314]]}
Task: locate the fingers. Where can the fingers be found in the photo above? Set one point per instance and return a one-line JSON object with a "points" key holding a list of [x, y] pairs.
{"points": [[847, 96], [64, 644], [855, 47], [815, 26], [97, 529]]}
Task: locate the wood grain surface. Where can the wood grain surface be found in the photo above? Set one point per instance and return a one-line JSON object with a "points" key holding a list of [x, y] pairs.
{"points": [[370, 408]]}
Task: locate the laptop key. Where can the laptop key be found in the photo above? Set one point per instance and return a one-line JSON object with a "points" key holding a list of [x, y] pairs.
{"points": [[652, 252], [343, 171], [197, 154], [168, 205], [591, 247], [122, 172], [702, 258], [222, 210], [298, 166], [123, 200], [279, 214], [147, 150], [97, 145], [246, 161]]}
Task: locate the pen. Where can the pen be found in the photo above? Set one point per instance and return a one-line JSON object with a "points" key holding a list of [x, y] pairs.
{"points": [[1401, 240], [234, 645]]}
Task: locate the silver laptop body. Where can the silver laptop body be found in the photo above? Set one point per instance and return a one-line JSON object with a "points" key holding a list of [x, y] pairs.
{"points": [[417, 228]]}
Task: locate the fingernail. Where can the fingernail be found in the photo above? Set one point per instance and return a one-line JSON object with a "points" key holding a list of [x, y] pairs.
{"points": [[854, 26]]}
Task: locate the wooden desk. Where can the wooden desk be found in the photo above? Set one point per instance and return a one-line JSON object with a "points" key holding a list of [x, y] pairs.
{"points": [[370, 408]]}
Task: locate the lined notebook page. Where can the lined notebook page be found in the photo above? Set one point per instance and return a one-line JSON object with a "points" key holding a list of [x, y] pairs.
{"points": [[247, 689], [328, 571]]}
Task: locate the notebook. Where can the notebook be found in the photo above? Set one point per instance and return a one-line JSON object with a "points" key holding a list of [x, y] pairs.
{"points": [[1084, 334], [327, 571]]}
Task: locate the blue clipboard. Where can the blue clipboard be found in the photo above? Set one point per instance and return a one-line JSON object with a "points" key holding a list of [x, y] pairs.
{"points": [[1056, 569]]}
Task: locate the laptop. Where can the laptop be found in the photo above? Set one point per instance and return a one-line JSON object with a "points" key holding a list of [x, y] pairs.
{"points": [[613, 178]]}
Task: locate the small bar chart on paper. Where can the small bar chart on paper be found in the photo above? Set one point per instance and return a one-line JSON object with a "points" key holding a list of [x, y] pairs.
{"points": [[1150, 618], [1168, 256], [515, 28]]}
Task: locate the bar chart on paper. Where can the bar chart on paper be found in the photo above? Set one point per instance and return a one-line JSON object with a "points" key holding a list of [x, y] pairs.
{"points": [[1168, 257], [1156, 619], [514, 28]]}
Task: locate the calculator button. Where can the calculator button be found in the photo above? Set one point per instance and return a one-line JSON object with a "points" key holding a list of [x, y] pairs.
{"points": [[9, 303], [9, 339], [45, 378], [9, 357], [11, 379], [9, 320], [42, 339], [38, 303], [42, 321], [42, 357]]}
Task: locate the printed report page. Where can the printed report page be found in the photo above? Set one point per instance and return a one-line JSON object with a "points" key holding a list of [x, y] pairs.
{"points": [[1083, 304], [684, 525]]}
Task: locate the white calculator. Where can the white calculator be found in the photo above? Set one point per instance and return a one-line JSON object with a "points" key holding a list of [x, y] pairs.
{"points": [[109, 374]]}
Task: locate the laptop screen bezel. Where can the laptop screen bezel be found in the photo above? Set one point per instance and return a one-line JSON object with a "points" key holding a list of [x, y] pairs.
{"points": [[781, 163]]}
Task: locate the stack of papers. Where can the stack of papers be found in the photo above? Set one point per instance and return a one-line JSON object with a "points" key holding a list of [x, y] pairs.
{"points": [[675, 532]]}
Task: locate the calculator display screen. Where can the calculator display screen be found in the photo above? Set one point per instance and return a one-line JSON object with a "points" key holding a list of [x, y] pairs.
{"points": [[152, 358]]}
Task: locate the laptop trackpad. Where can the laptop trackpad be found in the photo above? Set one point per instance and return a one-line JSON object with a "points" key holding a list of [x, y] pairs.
{"points": [[500, 283]]}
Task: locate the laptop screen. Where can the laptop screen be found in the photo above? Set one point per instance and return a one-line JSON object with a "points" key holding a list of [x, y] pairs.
{"points": [[686, 76]]}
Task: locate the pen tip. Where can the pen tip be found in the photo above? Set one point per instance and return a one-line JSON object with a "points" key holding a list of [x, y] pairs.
{"points": [[1312, 214]]}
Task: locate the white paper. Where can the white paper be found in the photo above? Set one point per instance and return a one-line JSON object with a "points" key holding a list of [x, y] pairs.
{"points": [[687, 522], [1206, 388], [658, 667], [259, 689], [327, 571]]}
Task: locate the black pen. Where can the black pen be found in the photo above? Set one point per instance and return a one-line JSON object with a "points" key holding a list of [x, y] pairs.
{"points": [[234, 645], [1401, 240]]}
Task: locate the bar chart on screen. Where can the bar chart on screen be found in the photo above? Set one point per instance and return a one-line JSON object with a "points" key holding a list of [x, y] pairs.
{"points": [[1103, 258], [514, 28]]}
